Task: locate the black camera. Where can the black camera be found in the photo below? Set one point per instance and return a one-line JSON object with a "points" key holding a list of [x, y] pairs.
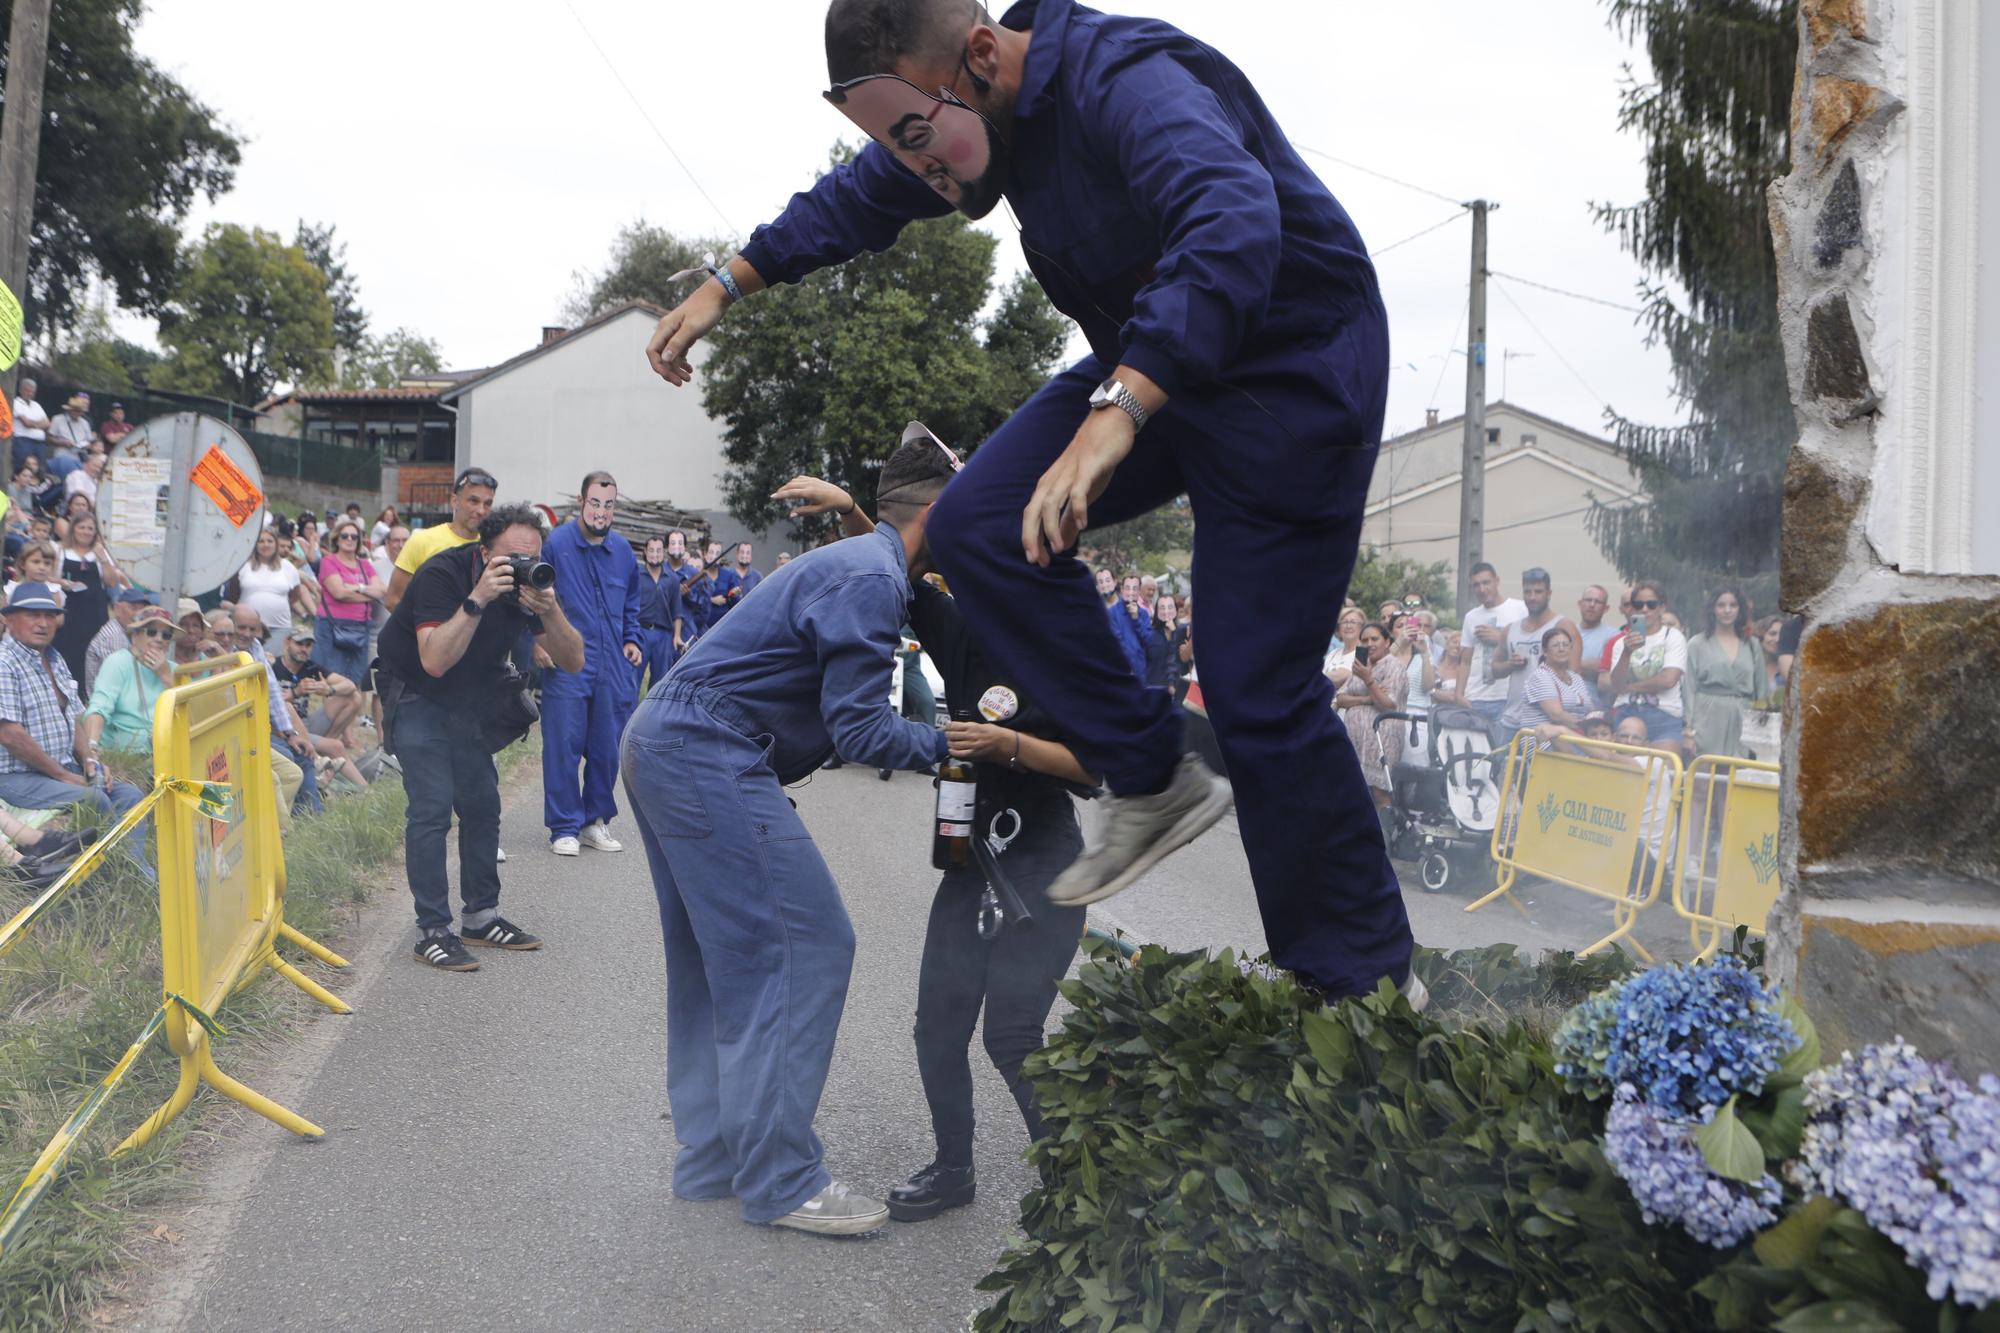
{"points": [[530, 572]]}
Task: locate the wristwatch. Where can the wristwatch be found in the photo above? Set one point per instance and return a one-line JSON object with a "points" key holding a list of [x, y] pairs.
{"points": [[471, 608], [1113, 394]]}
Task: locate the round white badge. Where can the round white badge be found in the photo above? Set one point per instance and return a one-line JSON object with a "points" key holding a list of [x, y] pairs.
{"points": [[998, 704]]}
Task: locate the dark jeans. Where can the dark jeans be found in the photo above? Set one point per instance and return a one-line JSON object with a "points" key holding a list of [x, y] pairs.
{"points": [[447, 769], [1275, 463], [307, 802], [1014, 976]]}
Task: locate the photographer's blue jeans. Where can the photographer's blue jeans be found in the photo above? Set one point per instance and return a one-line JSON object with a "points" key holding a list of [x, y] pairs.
{"points": [[307, 802], [759, 949], [447, 770]]}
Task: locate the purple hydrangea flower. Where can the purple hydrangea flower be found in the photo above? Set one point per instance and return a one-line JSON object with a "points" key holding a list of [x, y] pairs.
{"points": [[1916, 1151], [1654, 1153]]}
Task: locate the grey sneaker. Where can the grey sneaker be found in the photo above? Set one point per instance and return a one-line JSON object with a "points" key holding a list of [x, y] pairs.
{"points": [[837, 1211], [1414, 990], [1139, 832]]}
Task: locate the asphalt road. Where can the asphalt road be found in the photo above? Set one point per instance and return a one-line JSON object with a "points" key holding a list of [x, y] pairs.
{"points": [[499, 1151]]}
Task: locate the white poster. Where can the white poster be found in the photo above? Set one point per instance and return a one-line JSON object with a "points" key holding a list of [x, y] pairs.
{"points": [[138, 517]]}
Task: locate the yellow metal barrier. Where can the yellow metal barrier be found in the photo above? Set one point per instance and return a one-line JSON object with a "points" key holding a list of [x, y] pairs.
{"points": [[222, 888], [1727, 874], [1597, 817]]}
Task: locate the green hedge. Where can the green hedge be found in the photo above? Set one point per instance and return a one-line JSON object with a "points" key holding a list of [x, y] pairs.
{"points": [[1224, 1153]]}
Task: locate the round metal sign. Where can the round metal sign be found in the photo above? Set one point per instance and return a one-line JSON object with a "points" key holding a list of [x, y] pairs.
{"points": [[225, 506]]}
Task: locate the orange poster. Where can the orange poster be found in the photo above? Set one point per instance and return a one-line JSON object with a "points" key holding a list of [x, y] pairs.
{"points": [[223, 482], [6, 416]]}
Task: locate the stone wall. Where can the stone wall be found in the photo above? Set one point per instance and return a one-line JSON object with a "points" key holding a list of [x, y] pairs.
{"points": [[1890, 917]]}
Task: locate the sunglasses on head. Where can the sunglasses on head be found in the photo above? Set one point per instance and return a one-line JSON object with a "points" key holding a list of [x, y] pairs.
{"points": [[917, 430], [1645, 603]]}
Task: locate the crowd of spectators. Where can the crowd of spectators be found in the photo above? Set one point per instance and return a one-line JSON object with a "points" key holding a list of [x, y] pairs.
{"points": [[1520, 664], [87, 652]]}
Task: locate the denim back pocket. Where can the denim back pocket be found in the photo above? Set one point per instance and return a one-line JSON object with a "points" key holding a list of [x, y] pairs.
{"points": [[665, 781]]}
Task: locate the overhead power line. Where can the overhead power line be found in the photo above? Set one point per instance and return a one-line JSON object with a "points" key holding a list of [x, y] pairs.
{"points": [[648, 118], [1554, 350], [1378, 175], [1419, 235], [1563, 291]]}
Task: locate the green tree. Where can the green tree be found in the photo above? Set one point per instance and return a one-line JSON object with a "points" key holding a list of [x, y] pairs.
{"points": [[643, 259], [350, 321], [125, 151], [1149, 544], [249, 312], [91, 355], [1379, 578], [385, 361], [1715, 121]]}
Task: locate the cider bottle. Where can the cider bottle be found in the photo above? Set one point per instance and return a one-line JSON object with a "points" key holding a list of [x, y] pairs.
{"points": [[957, 798]]}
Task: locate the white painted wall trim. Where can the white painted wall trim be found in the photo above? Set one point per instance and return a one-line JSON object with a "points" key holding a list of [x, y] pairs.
{"points": [[1934, 440]]}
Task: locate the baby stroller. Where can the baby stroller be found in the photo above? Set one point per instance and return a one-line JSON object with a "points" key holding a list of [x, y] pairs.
{"points": [[1444, 797]]}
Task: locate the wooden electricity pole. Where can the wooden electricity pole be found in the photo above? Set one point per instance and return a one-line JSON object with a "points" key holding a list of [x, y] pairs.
{"points": [[20, 144], [1472, 465]]}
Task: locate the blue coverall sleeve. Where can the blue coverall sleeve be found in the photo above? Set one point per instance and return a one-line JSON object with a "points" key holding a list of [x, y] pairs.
{"points": [[635, 602], [1216, 208], [853, 626], [859, 205]]}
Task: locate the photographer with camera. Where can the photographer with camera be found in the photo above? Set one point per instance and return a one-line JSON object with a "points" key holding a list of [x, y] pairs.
{"points": [[445, 653]]}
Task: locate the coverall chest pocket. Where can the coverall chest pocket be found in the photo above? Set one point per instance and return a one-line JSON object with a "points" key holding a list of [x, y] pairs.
{"points": [[666, 766]]}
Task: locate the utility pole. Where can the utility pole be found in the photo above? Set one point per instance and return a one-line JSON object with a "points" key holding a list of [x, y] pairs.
{"points": [[20, 145], [1472, 465]]}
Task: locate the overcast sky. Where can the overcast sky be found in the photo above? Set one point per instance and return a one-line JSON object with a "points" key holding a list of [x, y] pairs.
{"points": [[476, 157]]}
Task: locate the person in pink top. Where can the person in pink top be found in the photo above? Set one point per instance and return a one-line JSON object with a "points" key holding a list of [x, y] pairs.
{"points": [[353, 590]]}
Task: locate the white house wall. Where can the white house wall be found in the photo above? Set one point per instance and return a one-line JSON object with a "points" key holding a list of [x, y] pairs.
{"points": [[593, 402], [1425, 528]]}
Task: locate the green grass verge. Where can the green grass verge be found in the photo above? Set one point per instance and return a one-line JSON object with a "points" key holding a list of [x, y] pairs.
{"points": [[76, 992]]}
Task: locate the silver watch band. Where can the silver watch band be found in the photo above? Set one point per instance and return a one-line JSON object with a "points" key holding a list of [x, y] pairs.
{"points": [[1117, 395]]}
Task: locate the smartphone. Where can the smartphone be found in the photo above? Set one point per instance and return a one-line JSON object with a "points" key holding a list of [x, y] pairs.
{"points": [[1361, 655], [1636, 625]]}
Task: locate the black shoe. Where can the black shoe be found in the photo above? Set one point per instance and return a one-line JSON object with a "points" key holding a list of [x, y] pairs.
{"points": [[443, 951], [64, 847], [834, 761], [931, 1191], [500, 933], [885, 773]]}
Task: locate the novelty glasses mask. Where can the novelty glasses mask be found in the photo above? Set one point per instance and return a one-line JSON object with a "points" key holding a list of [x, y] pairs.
{"points": [[939, 138]]}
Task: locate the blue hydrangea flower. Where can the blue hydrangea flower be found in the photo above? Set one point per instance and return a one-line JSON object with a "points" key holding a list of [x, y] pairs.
{"points": [[1916, 1151], [1687, 1037], [1654, 1153]]}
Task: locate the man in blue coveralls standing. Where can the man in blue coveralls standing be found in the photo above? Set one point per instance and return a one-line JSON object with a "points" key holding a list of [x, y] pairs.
{"points": [[1239, 354], [758, 944], [583, 712]]}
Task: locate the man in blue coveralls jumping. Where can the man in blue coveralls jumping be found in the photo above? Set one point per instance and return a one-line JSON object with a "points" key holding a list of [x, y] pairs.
{"points": [[1239, 355], [758, 944], [584, 712]]}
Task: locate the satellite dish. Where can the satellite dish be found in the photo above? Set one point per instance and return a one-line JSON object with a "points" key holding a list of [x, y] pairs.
{"points": [[225, 502]]}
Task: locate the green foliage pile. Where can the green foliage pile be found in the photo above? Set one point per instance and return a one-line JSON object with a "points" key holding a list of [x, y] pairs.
{"points": [[1226, 1153], [76, 992]]}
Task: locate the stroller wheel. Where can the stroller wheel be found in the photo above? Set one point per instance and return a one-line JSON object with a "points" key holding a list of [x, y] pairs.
{"points": [[1436, 871]]}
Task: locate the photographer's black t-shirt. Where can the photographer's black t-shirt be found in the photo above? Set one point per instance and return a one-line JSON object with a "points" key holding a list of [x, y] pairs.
{"points": [[433, 597]]}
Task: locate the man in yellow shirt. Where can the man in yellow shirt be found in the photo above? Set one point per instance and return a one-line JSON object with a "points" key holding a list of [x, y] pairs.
{"points": [[471, 500]]}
